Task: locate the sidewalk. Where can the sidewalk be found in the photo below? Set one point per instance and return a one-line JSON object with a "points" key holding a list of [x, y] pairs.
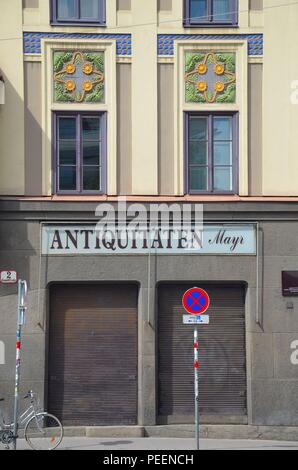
{"points": [[149, 443]]}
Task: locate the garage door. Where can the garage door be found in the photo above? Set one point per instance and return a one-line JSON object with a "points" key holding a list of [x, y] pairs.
{"points": [[221, 353], [93, 354]]}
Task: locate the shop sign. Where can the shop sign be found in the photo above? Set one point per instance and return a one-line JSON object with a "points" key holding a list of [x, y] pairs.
{"points": [[77, 239]]}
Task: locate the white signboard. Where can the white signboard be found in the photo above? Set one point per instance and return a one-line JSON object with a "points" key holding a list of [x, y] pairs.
{"points": [[80, 239], [8, 277], [195, 319]]}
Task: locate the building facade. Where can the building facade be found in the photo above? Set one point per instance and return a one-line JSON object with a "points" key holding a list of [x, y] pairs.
{"points": [[155, 101]]}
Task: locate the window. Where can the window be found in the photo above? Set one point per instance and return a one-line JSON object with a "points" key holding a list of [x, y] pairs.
{"points": [[211, 153], [210, 12], [78, 11], [79, 153]]}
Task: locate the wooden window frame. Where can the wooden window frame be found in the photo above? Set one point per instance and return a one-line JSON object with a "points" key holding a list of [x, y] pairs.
{"points": [[208, 20], [99, 21], [78, 115], [235, 150]]}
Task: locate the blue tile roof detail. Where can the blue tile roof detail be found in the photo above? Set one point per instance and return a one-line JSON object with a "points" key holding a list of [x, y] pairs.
{"points": [[165, 42], [32, 40]]}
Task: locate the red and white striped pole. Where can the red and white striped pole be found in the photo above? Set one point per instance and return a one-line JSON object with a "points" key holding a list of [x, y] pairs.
{"points": [[196, 377], [22, 292]]}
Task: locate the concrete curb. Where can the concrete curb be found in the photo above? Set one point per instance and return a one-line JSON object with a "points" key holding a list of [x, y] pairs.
{"points": [[280, 433], [115, 431]]}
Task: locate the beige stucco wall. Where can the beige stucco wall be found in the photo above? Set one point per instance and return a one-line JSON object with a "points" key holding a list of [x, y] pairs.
{"points": [[145, 164], [166, 131], [12, 112], [124, 137], [280, 115], [33, 129], [144, 99], [255, 116]]}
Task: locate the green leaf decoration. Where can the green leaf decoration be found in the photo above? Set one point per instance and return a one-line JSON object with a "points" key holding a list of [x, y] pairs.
{"points": [[61, 94], [61, 58], [191, 96], [228, 96], [97, 59], [191, 60], [97, 94], [209, 95], [228, 60]]}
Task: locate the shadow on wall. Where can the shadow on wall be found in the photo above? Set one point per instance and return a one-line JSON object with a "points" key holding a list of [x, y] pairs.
{"points": [[19, 248]]}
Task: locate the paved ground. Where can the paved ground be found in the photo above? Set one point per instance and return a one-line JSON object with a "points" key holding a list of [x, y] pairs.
{"points": [[83, 443]]}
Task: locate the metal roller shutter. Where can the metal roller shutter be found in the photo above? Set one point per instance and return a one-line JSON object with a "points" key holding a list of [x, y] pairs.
{"points": [[93, 354], [221, 353]]}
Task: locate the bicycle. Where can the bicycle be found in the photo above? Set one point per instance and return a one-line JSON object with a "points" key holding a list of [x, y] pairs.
{"points": [[42, 430]]}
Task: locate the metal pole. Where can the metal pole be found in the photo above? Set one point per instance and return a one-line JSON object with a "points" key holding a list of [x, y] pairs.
{"points": [[16, 389], [22, 290], [196, 373]]}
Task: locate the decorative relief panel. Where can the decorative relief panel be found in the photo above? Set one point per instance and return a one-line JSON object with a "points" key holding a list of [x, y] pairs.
{"points": [[78, 77], [210, 77]]}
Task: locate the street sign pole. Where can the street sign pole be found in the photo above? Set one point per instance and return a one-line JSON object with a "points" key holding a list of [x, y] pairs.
{"points": [[22, 291], [196, 373], [196, 301]]}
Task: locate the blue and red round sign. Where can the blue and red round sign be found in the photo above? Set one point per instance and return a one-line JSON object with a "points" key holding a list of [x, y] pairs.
{"points": [[196, 301]]}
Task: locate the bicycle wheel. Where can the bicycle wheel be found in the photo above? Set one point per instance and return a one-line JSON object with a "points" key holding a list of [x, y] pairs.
{"points": [[43, 432]]}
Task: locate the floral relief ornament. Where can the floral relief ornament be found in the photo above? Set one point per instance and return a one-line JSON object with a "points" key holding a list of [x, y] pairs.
{"points": [[210, 77], [76, 76]]}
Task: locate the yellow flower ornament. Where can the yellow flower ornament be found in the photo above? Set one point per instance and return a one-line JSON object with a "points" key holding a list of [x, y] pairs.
{"points": [[70, 68], [88, 68], [202, 69], [219, 69], [201, 86], [70, 85], [219, 86], [87, 85]]}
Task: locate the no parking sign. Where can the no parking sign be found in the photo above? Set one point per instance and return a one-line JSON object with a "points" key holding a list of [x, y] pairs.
{"points": [[196, 301]]}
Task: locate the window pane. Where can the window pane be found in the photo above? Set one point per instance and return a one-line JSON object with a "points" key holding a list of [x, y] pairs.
{"points": [[91, 178], [67, 128], [221, 10], [66, 9], [91, 129], [222, 128], [198, 178], [222, 153], [67, 152], [198, 10], [67, 178], [198, 128], [90, 9], [91, 153], [222, 179], [198, 152]]}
